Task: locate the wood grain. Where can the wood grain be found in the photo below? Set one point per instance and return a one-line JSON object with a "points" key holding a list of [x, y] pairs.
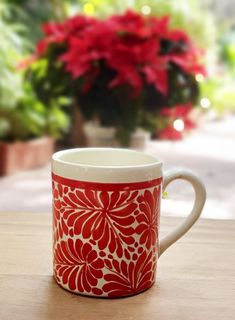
{"points": [[196, 277]]}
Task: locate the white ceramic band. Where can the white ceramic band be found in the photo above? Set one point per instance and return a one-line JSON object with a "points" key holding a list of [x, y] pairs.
{"points": [[106, 165], [200, 198]]}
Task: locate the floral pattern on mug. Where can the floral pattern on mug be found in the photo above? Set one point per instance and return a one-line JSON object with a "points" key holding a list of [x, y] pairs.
{"points": [[105, 239], [149, 207], [78, 265], [130, 278]]}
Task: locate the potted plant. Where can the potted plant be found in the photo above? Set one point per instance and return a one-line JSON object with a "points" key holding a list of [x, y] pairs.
{"points": [[123, 72], [27, 126], [28, 131]]}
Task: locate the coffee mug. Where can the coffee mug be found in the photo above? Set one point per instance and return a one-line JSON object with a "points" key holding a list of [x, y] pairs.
{"points": [[106, 212]]}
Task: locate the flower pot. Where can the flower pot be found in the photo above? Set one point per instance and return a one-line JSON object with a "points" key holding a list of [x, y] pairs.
{"points": [[24, 155], [98, 136]]}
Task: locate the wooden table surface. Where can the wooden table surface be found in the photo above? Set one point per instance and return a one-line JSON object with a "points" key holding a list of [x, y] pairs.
{"points": [[196, 276]]}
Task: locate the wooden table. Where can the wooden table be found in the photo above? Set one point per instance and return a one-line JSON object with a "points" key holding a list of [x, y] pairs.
{"points": [[196, 277]]}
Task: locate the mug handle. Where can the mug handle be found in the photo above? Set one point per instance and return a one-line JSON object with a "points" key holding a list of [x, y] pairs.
{"points": [[200, 198]]}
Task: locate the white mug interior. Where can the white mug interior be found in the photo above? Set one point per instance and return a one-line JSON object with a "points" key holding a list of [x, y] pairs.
{"points": [[106, 165]]}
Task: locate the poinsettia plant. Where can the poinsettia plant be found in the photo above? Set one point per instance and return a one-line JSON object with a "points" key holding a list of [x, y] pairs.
{"points": [[127, 71]]}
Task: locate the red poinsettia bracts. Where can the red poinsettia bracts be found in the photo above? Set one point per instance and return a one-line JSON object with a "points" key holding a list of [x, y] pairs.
{"points": [[136, 63], [181, 112], [130, 23], [169, 133], [85, 52], [183, 52], [61, 32], [129, 45]]}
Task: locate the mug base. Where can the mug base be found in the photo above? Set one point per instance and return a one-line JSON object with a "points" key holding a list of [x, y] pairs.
{"points": [[102, 296]]}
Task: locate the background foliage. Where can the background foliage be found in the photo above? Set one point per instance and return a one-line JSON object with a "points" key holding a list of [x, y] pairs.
{"points": [[20, 28], [22, 115]]}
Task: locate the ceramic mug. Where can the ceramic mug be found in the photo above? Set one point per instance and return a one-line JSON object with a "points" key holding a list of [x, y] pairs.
{"points": [[106, 212]]}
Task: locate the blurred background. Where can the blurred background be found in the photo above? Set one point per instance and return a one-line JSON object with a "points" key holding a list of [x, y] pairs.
{"points": [[153, 75]]}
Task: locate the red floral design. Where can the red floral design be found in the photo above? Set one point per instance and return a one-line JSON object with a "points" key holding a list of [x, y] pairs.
{"points": [[127, 279], [59, 226], [106, 217], [77, 265], [148, 218], [105, 237]]}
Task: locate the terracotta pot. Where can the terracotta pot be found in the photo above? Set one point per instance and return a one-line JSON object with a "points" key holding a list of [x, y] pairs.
{"points": [[98, 136], [24, 155]]}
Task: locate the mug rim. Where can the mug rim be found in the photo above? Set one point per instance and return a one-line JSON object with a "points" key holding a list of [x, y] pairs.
{"points": [[147, 170], [153, 161]]}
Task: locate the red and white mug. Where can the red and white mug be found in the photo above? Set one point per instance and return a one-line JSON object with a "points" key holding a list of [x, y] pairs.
{"points": [[106, 213]]}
